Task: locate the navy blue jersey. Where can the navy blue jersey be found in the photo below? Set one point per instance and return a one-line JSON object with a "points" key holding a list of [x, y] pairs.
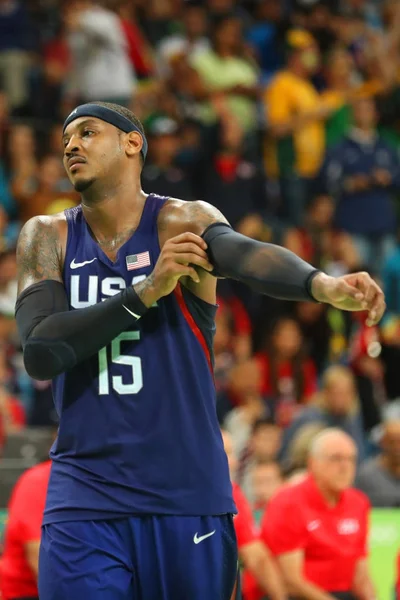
{"points": [[138, 427]]}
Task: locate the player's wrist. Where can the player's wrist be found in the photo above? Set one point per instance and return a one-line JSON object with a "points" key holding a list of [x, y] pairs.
{"points": [[320, 285], [133, 303], [146, 292]]}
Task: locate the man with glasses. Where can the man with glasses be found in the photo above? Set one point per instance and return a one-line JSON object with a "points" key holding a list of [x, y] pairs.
{"points": [[318, 528]]}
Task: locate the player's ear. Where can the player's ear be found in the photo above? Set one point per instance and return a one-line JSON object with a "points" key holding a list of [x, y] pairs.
{"points": [[133, 143]]}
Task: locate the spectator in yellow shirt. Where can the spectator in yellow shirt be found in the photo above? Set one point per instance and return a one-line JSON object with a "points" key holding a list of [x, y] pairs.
{"points": [[296, 115]]}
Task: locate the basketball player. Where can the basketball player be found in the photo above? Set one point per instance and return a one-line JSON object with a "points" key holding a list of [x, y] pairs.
{"points": [[116, 305]]}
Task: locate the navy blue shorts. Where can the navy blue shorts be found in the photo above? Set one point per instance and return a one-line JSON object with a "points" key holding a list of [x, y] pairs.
{"points": [[139, 558]]}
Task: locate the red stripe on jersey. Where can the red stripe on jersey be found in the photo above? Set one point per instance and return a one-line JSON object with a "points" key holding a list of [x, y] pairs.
{"points": [[192, 324]]}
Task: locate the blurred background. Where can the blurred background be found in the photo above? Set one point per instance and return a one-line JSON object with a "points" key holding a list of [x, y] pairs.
{"points": [[285, 114]]}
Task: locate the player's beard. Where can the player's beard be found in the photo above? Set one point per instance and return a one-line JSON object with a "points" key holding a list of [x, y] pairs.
{"points": [[83, 184]]}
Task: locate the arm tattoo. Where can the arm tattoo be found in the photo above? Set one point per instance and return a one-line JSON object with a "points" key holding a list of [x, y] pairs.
{"points": [[38, 253], [179, 216], [145, 290], [202, 214]]}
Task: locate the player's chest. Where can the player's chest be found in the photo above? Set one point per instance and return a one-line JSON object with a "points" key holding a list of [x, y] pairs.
{"points": [[86, 290], [327, 533], [90, 278]]}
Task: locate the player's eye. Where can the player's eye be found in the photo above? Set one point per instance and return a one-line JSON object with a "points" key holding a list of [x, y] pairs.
{"points": [[65, 142], [87, 132]]}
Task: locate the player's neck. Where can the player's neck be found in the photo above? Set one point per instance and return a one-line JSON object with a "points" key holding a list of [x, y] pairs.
{"points": [[114, 210]]}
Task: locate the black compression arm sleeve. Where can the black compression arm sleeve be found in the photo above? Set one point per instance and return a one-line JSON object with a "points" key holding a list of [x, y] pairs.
{"points": [[266, 268], [55, 338]]}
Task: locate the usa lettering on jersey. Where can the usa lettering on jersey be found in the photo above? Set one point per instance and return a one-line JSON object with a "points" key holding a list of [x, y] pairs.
{"points": [[96, 288]]}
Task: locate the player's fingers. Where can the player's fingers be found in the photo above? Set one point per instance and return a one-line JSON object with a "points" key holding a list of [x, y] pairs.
{"points": [[194, 275], [361, 281], [377, 308], [189, 258], [188, 236], [186, 271], [369, 288], [190, 247], [349, 291]]}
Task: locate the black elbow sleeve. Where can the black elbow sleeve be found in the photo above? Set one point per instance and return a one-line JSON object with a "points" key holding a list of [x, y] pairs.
{"points": [[42, 359], [55, 339], [37, 302]]}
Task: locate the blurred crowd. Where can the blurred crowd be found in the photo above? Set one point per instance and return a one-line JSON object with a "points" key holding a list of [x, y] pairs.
{"points": [[284, 114], [285, 117]]}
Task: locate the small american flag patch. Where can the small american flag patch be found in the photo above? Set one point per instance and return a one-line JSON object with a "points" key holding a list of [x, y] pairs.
{"points": [[137, 261]]}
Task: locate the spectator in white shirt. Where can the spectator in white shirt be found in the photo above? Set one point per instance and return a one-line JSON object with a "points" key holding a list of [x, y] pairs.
{"points": [[101, 69]]}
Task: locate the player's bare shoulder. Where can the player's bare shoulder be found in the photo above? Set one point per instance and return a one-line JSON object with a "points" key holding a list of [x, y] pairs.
{"points": [[41, 249], [180, 216]]}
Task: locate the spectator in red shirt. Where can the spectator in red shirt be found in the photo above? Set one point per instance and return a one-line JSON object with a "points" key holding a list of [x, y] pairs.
{"points": [[255, 557], [19, 565], [398, 579], [288, 374], [318, 528]]}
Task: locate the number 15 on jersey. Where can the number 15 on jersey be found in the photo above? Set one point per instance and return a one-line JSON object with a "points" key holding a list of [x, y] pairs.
{"points": [[108, 381]]}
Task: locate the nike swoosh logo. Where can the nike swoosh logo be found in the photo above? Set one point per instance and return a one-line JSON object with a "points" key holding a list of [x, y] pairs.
{"points": [[132, 313], [75, 265], [197, 539]]}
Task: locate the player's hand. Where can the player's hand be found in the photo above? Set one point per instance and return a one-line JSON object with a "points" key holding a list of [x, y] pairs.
{"points": [[179, 257], [354, 292]]}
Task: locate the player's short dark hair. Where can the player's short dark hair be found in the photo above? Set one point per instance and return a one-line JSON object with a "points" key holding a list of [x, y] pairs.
{"points": [[125, 112]]}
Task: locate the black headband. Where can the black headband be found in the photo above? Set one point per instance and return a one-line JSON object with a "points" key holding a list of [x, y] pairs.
{"points": [[109, 116]]}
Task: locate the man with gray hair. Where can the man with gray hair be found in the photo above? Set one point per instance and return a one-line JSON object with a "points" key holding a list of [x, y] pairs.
{"points": [[318, 528], [379, 478]]}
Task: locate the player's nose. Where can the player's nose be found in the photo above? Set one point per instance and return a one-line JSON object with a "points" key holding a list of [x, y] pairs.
{"points": [[72, 147]]}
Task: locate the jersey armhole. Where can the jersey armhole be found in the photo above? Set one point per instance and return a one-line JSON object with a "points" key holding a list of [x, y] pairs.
{"points": [[202, 324]]}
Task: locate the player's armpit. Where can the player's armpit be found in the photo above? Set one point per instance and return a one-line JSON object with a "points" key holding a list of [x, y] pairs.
{"points": [[39, 252]]}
